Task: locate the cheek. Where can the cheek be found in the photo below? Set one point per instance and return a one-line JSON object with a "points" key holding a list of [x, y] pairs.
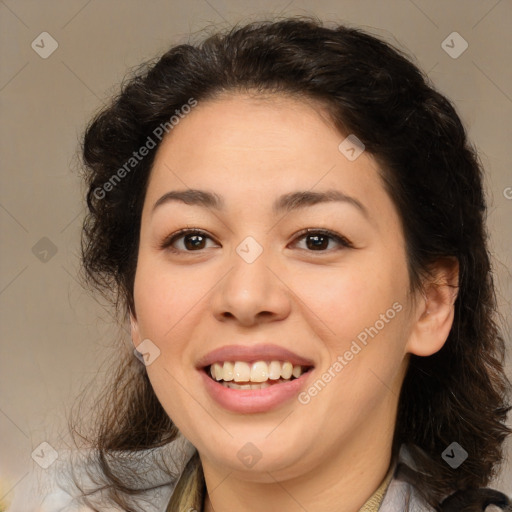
{"points": [[164, 300], [354, 297], [165, 305]]}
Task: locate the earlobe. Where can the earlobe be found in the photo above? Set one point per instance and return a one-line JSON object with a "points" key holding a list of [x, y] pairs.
{"points": [[435, 309]]}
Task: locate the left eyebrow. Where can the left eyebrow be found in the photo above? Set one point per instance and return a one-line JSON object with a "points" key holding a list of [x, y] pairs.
{"points": [[302, 199]]}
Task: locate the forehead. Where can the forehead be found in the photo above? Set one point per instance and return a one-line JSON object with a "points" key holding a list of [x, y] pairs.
{"points": [[261, 146], [252, 123]]}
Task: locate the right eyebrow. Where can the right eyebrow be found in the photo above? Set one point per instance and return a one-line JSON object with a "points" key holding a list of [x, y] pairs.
{"points": [[192, 197]]}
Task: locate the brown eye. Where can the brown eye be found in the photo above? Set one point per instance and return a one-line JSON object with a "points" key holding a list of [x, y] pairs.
{"points": [[315, 242], [192, 240], [318, 240]]}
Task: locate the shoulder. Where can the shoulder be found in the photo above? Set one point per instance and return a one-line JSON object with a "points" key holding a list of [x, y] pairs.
{"points": [[46, 490], [402, 496], [56, 489]]}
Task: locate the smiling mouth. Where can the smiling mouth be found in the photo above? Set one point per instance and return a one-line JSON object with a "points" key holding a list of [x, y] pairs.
{"points": [[257, 375]]}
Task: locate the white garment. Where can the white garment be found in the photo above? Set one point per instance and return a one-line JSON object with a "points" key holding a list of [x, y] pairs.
{"points": [[53, 490]]}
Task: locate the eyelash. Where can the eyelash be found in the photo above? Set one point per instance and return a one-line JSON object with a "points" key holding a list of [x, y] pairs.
{"points": [[169, 240]]}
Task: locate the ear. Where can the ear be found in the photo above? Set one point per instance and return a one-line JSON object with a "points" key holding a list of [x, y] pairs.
{"points": [[435, 309], [134, 328]]}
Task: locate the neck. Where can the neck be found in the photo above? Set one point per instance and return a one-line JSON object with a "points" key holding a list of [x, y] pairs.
{"points": [[342, 482]]}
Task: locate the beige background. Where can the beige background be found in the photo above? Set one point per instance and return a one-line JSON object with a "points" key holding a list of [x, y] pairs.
{"points": [[53, 334]]}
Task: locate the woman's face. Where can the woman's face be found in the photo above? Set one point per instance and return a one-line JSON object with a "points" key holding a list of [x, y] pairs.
{"points": [[252, 287]]}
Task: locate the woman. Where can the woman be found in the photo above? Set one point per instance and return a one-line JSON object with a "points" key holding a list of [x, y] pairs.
{"points": [[292, 219]]}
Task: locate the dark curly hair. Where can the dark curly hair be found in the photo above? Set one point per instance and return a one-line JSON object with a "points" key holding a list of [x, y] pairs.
{"points": [[431, 173]]}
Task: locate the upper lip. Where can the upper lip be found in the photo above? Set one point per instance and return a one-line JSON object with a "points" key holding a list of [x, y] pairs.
{"points": [[266, 352]]}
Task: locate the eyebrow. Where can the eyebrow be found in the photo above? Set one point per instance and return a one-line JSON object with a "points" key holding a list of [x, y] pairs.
{"points": [[283, 204]]}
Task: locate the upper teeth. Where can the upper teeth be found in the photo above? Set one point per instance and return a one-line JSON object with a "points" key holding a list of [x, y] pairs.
{"points": [[260, 371]]}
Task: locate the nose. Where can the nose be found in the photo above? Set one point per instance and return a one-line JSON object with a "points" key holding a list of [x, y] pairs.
{"points": [[251, 293]]}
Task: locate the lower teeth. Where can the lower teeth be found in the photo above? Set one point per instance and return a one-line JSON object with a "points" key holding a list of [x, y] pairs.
{"points": [[258, 385]]}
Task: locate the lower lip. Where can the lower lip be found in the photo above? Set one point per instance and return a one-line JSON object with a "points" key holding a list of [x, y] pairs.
{"points": [[254, 400]]}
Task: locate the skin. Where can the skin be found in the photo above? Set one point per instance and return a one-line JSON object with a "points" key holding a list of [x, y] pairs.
{"points": [[335, 450]]}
